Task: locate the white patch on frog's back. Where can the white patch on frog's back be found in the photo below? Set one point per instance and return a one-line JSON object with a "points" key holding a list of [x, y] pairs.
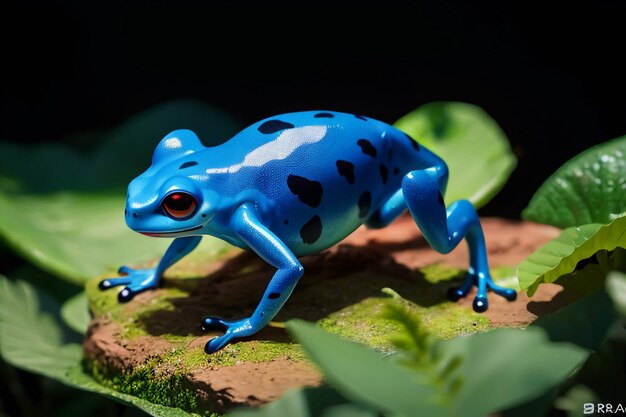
{"points": [[278, 149]]}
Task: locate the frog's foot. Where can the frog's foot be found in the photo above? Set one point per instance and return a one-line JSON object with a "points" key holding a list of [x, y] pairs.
{"points": [[484, 283], [135, 281], [231, 329]]}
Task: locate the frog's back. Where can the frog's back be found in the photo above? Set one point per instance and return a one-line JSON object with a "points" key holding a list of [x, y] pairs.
{"points": [[324, 173]]}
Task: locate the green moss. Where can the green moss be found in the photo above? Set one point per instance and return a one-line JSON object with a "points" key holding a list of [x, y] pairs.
{"points": [[435, 273], [362, 322], [128, 315], [100, 302], [186, 358], [449, 320], [105, 302], [169, 388]]}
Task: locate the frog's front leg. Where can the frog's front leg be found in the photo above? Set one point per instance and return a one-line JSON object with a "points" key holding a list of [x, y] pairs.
{"points": [[248, 227], [138, 280]]}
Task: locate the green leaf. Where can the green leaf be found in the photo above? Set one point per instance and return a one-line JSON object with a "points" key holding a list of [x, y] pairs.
{"points": [[589, 188], [29, 338], [32, 339], [561, 255], [616, 287], [364, 376], [129, 147], [536, 407], [43, 280], [309, 402], [471, 143], [493, 378], [64, 211], [585, 322], [506, 367], [75, 313], [417, 349]]}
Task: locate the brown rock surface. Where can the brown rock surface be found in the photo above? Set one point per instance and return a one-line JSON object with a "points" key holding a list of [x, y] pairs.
{"points": [[235, 284]]}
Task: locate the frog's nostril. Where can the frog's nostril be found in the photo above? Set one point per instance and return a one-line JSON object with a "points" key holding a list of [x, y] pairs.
{"points": [[134, 214], [125, 212]]}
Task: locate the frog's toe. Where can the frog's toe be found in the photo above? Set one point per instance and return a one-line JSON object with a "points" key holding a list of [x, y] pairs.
{"points": [[105, 284], [220, 325], [231, 329], [135, 286], [455, 294], [510, 295], [124, 270], [217, 343], [214, 323], [125, 295], [480, 304]]}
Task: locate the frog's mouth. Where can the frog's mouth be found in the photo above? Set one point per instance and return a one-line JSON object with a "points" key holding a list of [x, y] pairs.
{"points": [[165, 234]]}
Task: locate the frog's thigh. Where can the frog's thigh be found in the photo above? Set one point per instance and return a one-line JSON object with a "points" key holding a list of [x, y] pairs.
{"points": [[443, 228]]}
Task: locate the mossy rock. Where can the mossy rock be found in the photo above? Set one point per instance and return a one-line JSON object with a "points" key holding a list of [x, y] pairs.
{"points": [[152, 347]]}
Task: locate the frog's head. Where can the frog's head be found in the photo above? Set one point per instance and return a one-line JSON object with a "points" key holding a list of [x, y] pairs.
{"points": [[169, 199]]}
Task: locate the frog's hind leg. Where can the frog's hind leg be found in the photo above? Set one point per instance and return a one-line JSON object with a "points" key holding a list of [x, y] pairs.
{"points": [[444, 228]]}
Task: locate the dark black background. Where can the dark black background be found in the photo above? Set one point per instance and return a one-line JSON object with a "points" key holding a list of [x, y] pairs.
{"points": [[553, 79]]}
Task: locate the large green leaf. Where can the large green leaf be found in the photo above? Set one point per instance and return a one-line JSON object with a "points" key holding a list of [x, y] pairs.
{"points": [[364, 376], [493, 377], [309, 402], [589, 188], [32, 339], [496, 377], [561, 255], [64, 210], [476, 150]]}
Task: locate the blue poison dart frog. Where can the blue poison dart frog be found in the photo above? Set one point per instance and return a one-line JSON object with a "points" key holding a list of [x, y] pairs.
{"points": [[289, 186]]}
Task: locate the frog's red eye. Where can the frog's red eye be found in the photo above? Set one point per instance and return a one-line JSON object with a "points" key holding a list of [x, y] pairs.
{"points": [[179, 205]]}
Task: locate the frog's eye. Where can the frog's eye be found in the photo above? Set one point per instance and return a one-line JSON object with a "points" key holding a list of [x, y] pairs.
{"points": [[179, 205]]}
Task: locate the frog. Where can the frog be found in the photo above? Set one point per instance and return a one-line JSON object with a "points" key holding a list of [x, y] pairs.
{"points": [[289, 186]]}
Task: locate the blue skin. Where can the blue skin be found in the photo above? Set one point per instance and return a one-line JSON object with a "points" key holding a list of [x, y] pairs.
{"points": [[289, 186]]}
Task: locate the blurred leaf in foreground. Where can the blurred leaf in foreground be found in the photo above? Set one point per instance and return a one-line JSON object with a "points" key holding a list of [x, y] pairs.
{"points": [[34, 340]]}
